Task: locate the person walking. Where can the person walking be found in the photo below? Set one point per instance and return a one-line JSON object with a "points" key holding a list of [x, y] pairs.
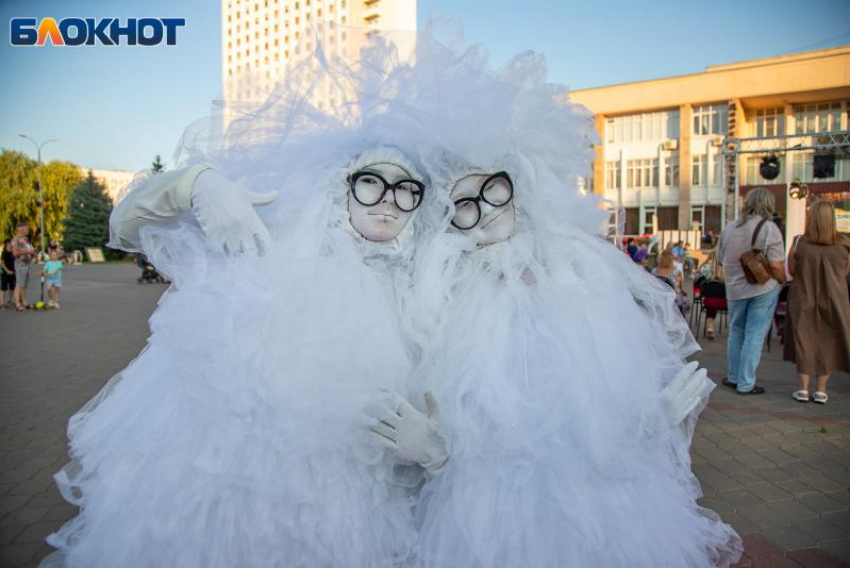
{"points": [[818, 322], [751, 306], [7, 274], [24, 258]]}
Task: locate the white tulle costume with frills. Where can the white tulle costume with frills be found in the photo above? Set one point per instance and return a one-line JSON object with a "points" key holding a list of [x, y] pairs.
{"points": [[239, 436], [547, 354]]}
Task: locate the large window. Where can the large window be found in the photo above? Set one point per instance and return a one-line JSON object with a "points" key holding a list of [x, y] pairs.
{"points": [[768, 122], [671, 171], [642, 173], [699, 173], [711, 120], [823, 117], [802, 168], [753, 176], [704, 166], [612, 175], [643, 127]]}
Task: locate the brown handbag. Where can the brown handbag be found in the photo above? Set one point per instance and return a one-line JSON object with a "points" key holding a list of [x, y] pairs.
{"points": [[754, 262]]}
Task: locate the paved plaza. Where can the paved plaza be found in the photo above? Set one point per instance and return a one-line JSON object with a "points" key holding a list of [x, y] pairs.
{"points": [[776, 469]]}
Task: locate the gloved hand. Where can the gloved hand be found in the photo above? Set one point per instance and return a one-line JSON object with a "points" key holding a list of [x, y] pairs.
{"points": [[226, 213], [680, 397], [414, 437]]}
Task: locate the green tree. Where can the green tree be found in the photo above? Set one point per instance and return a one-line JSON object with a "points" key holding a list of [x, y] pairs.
{"points": [[156, 165], [58, 179], [87, 223], [19, 194]]}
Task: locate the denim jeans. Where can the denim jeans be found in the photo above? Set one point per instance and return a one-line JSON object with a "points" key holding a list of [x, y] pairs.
{"points": [[749, 321]]}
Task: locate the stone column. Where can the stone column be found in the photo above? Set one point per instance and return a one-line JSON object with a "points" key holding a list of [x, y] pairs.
{"points": [[599, 158], [685, 181]]}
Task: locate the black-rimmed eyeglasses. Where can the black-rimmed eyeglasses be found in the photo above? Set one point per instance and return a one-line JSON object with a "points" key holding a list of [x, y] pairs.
{"points": [[497, 191], [369, 188]]}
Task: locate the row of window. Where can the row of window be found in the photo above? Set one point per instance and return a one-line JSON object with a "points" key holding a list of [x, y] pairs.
{"points": [[802, 168], [276, 28], [705, 170], [713, 120], [230, 6], [643, 127], [708, 171]]}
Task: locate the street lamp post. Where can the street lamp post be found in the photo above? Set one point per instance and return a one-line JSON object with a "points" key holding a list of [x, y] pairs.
{"points": [[40, 192]]}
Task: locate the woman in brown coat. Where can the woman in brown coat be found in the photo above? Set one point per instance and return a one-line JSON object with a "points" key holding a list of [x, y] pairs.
{"points": [[818, 304]]}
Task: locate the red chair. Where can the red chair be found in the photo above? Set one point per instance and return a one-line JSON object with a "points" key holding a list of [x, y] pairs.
{"points": [[712, 296]]}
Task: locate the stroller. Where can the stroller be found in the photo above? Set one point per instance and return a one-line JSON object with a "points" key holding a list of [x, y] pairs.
{"points": [[149, 273]]}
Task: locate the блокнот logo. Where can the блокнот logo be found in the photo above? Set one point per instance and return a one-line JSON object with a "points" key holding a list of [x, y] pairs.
{"points": [[94, 31]]}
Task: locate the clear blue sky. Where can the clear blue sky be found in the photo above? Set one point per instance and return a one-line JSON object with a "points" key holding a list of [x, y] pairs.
{"points": [[117, 107]]}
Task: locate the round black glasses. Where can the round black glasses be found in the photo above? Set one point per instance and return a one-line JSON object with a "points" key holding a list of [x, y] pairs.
{"points": [[369, 188], [497, 190]]}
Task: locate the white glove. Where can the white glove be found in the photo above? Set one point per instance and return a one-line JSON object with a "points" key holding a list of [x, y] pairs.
{"points": [[414, 437], [681, 396], [226, 213]]}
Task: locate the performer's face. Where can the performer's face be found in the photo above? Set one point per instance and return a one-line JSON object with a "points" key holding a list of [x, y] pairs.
{"points": [[377, 214], [484, 208]]}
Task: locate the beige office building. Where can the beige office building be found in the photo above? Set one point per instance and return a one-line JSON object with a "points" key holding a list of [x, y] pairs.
{"points": [[113, 180], [662, 140], [262, 35]]}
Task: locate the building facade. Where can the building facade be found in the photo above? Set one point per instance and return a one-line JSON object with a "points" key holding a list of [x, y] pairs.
{"points": [[113, 180], [661, 156], [261, 36]]}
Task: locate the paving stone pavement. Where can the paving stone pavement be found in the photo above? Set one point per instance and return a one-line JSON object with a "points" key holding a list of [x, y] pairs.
{"points": [[776, 469]]}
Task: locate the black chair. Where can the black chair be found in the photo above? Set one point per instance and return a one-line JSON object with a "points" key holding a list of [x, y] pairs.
{"points": [[698, 282]]}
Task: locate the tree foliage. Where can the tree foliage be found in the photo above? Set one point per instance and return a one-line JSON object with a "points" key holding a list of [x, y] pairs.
{"points": [[19, 194], [87, 223], [156, 165]]}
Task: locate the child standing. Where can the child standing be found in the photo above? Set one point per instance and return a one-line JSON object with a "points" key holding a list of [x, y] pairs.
{"points": [[53, 270], [7, 275]]}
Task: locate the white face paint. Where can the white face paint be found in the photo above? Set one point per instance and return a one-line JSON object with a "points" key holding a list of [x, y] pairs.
{"points": [[496, 223], [383, 221]]}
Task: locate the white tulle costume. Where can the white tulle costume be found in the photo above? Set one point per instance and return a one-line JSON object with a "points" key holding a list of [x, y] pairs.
{"points": [[239, 436], [548, 354]]}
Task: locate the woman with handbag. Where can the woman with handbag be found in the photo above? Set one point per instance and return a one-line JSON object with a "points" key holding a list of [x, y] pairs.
{"points": [[818, 304], [752, 253]]}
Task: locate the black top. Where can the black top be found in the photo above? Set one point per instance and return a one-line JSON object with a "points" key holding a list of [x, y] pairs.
{"points": [[8, 260]]}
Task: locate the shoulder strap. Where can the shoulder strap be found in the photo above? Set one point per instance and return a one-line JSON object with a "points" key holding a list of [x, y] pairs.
{"points": [[756, 233]]}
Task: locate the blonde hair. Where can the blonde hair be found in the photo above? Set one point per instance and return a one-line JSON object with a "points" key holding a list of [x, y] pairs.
{"points": [[759, 202], [820, 224], [665, 259]]}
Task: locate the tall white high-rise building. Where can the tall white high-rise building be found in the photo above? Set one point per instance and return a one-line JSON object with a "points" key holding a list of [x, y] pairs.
{"points": [[262, 35]]}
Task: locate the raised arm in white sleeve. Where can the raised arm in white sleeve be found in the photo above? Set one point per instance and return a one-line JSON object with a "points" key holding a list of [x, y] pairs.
{"points": [[224, 210], [158, 200]]}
